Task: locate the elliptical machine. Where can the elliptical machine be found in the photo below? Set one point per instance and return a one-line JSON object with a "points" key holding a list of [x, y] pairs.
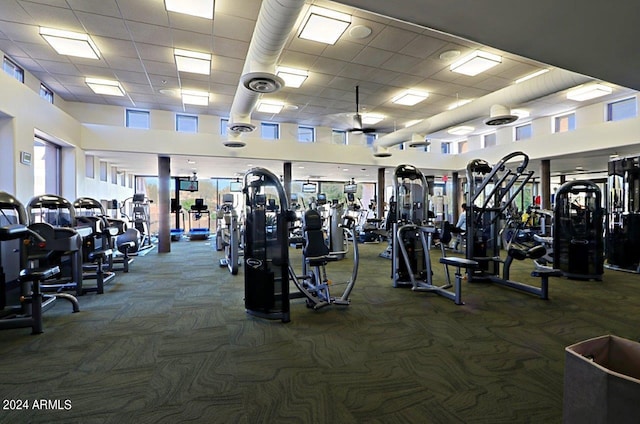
{"points": [[230, 234]]}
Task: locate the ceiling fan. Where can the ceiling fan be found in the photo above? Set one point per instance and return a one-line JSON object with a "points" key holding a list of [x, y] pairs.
{"points": [[357, 127]]}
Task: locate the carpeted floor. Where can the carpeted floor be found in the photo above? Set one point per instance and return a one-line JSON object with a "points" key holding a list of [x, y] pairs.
{"points": [[170, 343]]}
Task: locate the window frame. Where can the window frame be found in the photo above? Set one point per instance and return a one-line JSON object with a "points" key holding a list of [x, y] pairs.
{"points": [[571, 125], [517, 136], [494, 135], [609, 109], [272, 125], [342, 133], [127, 120], [17, 71], [46, 93], [313, 134], [180, 116]]}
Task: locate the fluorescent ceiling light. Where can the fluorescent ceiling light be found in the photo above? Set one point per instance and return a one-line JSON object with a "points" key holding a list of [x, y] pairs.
{"points": [[270, 107], [195, 97], [292, 77], [475, 63], [410, 97], [371, 118], [459, 103], [202, 8], [589, 91], [102, 86], [533, 75], [520, 113], [462, 130], [324, 25], [194, 62], [70, 43], [411, 123]]}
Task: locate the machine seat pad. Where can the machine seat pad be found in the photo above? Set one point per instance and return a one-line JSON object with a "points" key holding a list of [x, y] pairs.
{"points": [[39, 274], [459, 262], [551, 272]]}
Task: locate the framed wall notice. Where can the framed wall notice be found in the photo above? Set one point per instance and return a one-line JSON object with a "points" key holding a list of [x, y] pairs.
{"points": [[25, 158]]}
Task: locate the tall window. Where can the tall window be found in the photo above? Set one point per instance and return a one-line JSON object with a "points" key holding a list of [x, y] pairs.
{"points": [[12, 69], [186, 123], [224, 126], [489, 140], [46, 167], [269, 131], [138, 119], [46, 94], [622, 109], [339, 137], [370, 138], [103, 171], [306, 134], [445, 147], [463, 146], [523, 132], [89, 165], [114, 175], [564, 123]]}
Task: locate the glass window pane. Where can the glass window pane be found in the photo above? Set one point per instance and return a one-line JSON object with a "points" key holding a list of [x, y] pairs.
{"points": [[490, 140], [137, 119], [523, 132], [103, 171], [90, 166], [187, 123], [565, 123], [12, 69], [445, 148], [224, 126], [339, 137], [46, 94], [622, 109], [269, 131], [306, 134]]}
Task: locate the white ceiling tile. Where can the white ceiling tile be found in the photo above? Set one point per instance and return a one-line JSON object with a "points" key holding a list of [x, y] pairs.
{"points": [[230, 48], [96, 7], [329, 66], [229, 26], [147, 11], [104, 25], [191, 23], [372, 56], [58, 67], [53, 17], [192, 41], [422, 46], [227, 64], [110, 47], [393, 39], [131, 77], [243, 8], [151, 34], [400, 62], [13, 12], [344, 50]]}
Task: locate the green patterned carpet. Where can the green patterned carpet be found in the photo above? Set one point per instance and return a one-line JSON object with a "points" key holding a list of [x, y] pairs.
{"points": [[170, 343]]}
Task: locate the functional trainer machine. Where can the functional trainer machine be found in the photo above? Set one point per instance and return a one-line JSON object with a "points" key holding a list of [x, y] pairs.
{"points": [[200, 212], [413, 237]]}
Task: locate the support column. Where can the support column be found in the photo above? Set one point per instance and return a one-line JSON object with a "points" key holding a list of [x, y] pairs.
{"points": [[380, 194], [545, 184], [455, 196], [286, 177], [164, 204]]}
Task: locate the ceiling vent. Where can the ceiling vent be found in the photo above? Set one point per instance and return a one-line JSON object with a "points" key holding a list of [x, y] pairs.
{"points": [[381, 152], [234, 141], [500, 115], [262, 82], [418, 140], [241, 127]]}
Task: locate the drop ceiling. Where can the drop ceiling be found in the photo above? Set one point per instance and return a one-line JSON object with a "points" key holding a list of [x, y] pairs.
{"points": [[137, 38]]}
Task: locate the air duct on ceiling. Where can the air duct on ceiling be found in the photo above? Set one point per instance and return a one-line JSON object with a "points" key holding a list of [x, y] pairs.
{"points": [[516, 94], [273, 26]]}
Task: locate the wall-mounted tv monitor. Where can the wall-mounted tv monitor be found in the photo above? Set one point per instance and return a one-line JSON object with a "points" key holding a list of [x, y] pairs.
{"points": [[188, 185], [309, 187], [235, 186], [351, 188]]}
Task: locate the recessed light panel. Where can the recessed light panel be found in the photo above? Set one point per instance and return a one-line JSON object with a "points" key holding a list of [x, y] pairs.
{"points": [[193, 62], [461, 130], [270, 107], [201, 8], [324, 25], [107, 87], [410, 97], [475, 63], [371, 118], [70, 43], [195, 97], [588, 92], [292, 77]]}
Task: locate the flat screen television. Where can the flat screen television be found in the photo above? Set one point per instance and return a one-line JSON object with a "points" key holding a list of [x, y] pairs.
{"points": [[309, 187], [235, 186], [188, 185], [351, 188]]}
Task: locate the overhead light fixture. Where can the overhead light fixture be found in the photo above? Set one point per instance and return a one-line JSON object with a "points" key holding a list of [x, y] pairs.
{"points": [[292, 77], [459, 103], [195, 97], [103, 86], [70, 43], [201, 8], [520, 113], [324, 25], [371, 118], [461, 130], [588, 92], [412, 122], [194, 62], [268, 106], [410, 97], [533, 75], [475, 63]]}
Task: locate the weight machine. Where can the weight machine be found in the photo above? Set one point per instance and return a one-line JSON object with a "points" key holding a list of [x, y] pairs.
{"points": [[229, 234], [413, 237], [491, 191]]}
